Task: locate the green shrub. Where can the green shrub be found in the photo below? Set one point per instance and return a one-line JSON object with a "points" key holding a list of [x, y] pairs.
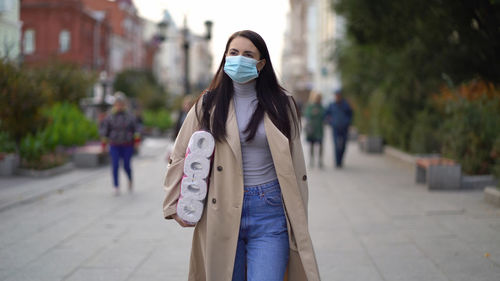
{"points": [[470, 131], [7, 145], [24, 92], [425, 136], [160, 119], [32, 148], [66, 82], [21, 100], [495, 153], [142, 86], [67, 126]]}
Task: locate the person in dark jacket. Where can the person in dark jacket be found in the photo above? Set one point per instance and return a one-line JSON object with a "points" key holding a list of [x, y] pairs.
{"points": [[119, 130], [339, 116]]}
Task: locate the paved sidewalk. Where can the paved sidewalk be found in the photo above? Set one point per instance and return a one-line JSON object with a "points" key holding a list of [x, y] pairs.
{"points": [[369, 221]]}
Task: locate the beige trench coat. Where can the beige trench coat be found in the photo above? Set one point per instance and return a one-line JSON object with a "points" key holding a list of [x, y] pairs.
{"points": [[216, 234]]}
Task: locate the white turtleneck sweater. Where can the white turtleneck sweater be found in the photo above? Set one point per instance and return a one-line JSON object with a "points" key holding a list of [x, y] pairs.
{"points": [[258, 165]]}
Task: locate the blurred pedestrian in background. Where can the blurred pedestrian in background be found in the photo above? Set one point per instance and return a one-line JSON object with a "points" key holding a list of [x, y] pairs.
{"points": [[339, 116], [314, 115], [258, 188], [119, 130]]}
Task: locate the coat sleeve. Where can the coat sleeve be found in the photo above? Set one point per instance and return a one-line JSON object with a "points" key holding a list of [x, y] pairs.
{"points": [[299, 163], [175, 168]]}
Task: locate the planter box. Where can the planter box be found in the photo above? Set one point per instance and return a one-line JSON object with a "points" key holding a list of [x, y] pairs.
{"points": [[8, 164], [353, 134], [439, 173], [422, 163], [444, 177], [478, 181], [371, 144], [90, 156], [492, 195], [46, 173]]}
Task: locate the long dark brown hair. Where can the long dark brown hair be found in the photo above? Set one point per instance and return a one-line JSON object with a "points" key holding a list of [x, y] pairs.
{"points": [[271, 96]]}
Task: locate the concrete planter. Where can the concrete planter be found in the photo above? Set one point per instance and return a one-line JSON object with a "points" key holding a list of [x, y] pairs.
{"points": [[8, 164], [353, 134], [492, 195], [478, 181], [371, 144], [444, 177], [46, 173], [90, 156]]}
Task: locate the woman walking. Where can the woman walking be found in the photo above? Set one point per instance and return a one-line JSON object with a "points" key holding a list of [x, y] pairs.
{"points": [[314, 114], [254, 224], [119, 130]]}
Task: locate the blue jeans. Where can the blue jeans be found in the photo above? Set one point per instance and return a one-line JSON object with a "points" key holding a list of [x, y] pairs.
{"points": [[339, 141], [263, 250], [124, 152]]}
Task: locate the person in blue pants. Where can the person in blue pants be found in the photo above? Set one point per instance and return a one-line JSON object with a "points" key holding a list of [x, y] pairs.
{"points": [[119, 129], [339, 116]]}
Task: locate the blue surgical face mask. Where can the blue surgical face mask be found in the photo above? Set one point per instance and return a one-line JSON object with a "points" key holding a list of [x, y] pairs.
{"points": [[241, 69]]}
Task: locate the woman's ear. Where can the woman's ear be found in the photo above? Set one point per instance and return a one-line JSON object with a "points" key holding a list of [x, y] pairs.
{"points": [[261, 64]]}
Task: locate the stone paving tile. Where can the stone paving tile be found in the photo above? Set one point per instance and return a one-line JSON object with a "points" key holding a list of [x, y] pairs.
{"points": [[99, 274], [368, 221], [359, 273]]}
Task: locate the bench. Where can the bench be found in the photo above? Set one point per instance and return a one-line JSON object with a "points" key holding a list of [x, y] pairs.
{"points": [[439, 173], [90, 156]]}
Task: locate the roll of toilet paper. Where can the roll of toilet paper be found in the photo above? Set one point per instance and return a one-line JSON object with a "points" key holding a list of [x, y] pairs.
{"points": [[202, 143], [196, 166], [189, 209], [194, 188]]}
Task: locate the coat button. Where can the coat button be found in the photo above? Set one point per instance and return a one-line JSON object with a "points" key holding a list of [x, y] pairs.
{"points": [[213, 200], [219, 168], [304, 178], [169, 160]]}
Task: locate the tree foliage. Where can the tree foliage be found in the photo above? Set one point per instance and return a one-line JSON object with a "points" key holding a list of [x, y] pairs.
{"points": [[398, 53], [25, 92], [142, 86], [21, 99]]}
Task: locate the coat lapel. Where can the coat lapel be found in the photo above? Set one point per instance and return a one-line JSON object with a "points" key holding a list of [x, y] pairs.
{"points": [[279, 146], [233, 134]]}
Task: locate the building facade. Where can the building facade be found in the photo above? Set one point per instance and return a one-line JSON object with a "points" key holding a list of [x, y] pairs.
{"points": [[200, 63], [126, 41], [310, 39], [64, 30], [329, 28], [170, 64], [10, 29], [295, 75]]}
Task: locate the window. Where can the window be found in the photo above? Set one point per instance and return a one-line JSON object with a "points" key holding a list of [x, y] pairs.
{"points": [[6, 5], [29, 41], [64, 41]]}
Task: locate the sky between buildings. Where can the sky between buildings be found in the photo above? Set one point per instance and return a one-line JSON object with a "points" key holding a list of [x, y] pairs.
{"points": [[266, 17]]}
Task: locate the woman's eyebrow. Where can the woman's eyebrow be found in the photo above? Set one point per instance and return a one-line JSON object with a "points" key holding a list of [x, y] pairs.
{"points": [[233, 49]]}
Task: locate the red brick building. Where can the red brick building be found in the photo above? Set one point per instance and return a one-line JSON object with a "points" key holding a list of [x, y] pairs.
{"points": [[127, 45], [66, 30]]}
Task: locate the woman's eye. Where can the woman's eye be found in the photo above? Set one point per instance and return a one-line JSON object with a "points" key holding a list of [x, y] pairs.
{"points": [[233, 53]]}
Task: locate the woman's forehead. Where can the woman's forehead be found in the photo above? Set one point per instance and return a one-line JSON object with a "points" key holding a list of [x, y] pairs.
{"points": [[243, 44]]}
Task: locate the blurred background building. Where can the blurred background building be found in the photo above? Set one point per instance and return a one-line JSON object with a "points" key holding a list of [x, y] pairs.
{"points": [[310, 38], [65, 30], [10, 29], [108, 37]]}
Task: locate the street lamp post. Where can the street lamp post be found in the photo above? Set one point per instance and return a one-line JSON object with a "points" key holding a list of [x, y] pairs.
{"points": [[185, 48], [163, 25]]}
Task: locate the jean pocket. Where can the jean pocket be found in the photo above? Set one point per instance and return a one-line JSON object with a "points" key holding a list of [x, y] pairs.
{"points": [[273, 199]]}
